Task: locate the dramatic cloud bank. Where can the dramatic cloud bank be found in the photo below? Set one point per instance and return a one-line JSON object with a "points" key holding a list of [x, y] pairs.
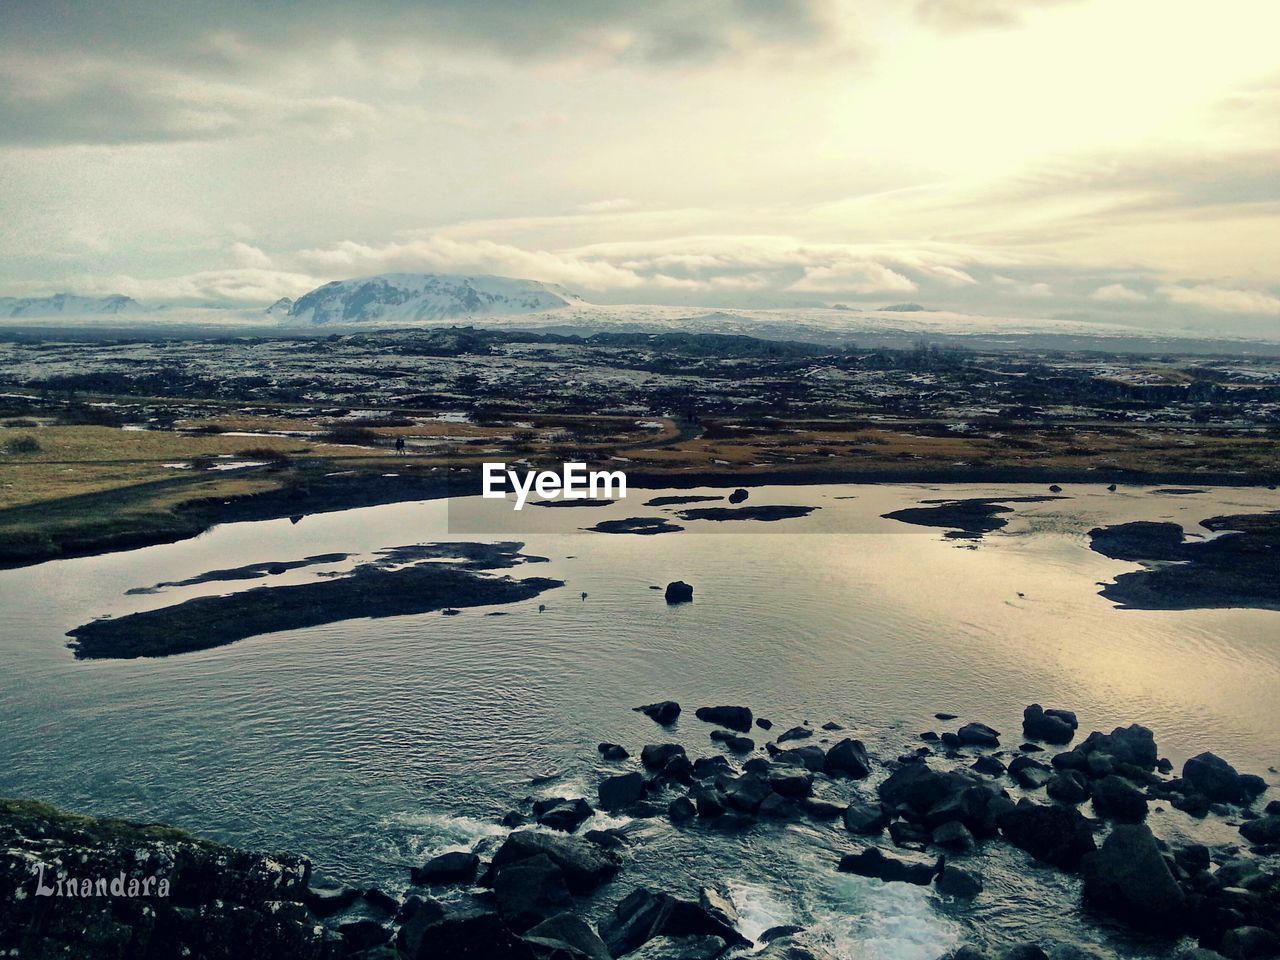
{"points": [[1051, 157]]}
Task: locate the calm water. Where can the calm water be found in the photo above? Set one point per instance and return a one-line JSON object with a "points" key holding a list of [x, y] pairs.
{"points": [[368, 744]]}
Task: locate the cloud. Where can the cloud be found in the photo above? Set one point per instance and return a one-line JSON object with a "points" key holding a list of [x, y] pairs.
{"points": [[1118, 293], [1224, 299], [49, 102], [228, 34], [957, 16], [861, 278], [445, 255], [244, 286]]}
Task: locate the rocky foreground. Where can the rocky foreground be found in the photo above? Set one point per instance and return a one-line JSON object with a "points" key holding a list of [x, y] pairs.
{"points": [[526, 896]]}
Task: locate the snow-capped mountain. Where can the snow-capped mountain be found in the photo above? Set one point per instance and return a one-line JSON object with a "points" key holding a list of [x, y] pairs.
{"points": [[280, 308], [425, 297], [67, 305]]}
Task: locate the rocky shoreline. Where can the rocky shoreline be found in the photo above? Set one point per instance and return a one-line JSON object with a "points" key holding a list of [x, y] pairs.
{"points": [[1235, 567], [927, 817]]}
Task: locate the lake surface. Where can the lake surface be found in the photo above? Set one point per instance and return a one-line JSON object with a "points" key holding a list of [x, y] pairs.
{"points": [[369, 744]]}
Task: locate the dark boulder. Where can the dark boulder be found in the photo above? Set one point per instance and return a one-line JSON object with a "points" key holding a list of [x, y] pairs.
{"points": [[957, 883], [643, 915], [1250, 943], [665, 712], [1050, 726], [364, 933], [848, 758], [1134, 744], [1213, 777], [735, 718], [794, 785], [988, 765], [778, 807], [872, 862], [566, 937], [812, 757], [1028, 773], [795, 733], [865, 818], [705, 767], [1068, 786], [679, 948], [681, 810], [978, 735], [612, 751], [1057, 835], [781, 930], [1117, 799], [920, 789], [747, 792], [466, 931], [679, 592], [1265, 829], [733, 742], [709, 801], [325, 901], [585, 865], [953, 835], [655, 755], [620, 791], [529, 891], [909, 836], [1129, 878], [456, 867], [821, 809], [567, 816], [718, 906]]}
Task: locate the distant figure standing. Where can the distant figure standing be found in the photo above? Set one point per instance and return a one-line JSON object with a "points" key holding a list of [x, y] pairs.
{"points": [[400, 446]]}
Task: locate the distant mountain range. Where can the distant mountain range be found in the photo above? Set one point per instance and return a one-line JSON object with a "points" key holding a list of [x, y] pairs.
{"points": [[447, 300], [423, 297], [68, 305]]}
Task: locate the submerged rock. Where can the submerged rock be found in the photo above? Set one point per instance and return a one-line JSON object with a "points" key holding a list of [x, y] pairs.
{"points": [[735, 718], [665, 712], [873, 862]]}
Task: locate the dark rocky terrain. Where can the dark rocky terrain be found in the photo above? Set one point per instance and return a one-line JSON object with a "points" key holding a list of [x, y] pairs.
{"points": [[370, 590], [533, 893], [221, 903], [1238, 568]]}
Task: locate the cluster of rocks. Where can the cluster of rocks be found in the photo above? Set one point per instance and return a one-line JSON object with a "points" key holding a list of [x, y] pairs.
{"points": [[937, 807], [528, 895]]}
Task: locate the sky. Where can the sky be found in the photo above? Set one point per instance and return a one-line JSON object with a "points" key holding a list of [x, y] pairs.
{"points": [[1110, 160]]}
